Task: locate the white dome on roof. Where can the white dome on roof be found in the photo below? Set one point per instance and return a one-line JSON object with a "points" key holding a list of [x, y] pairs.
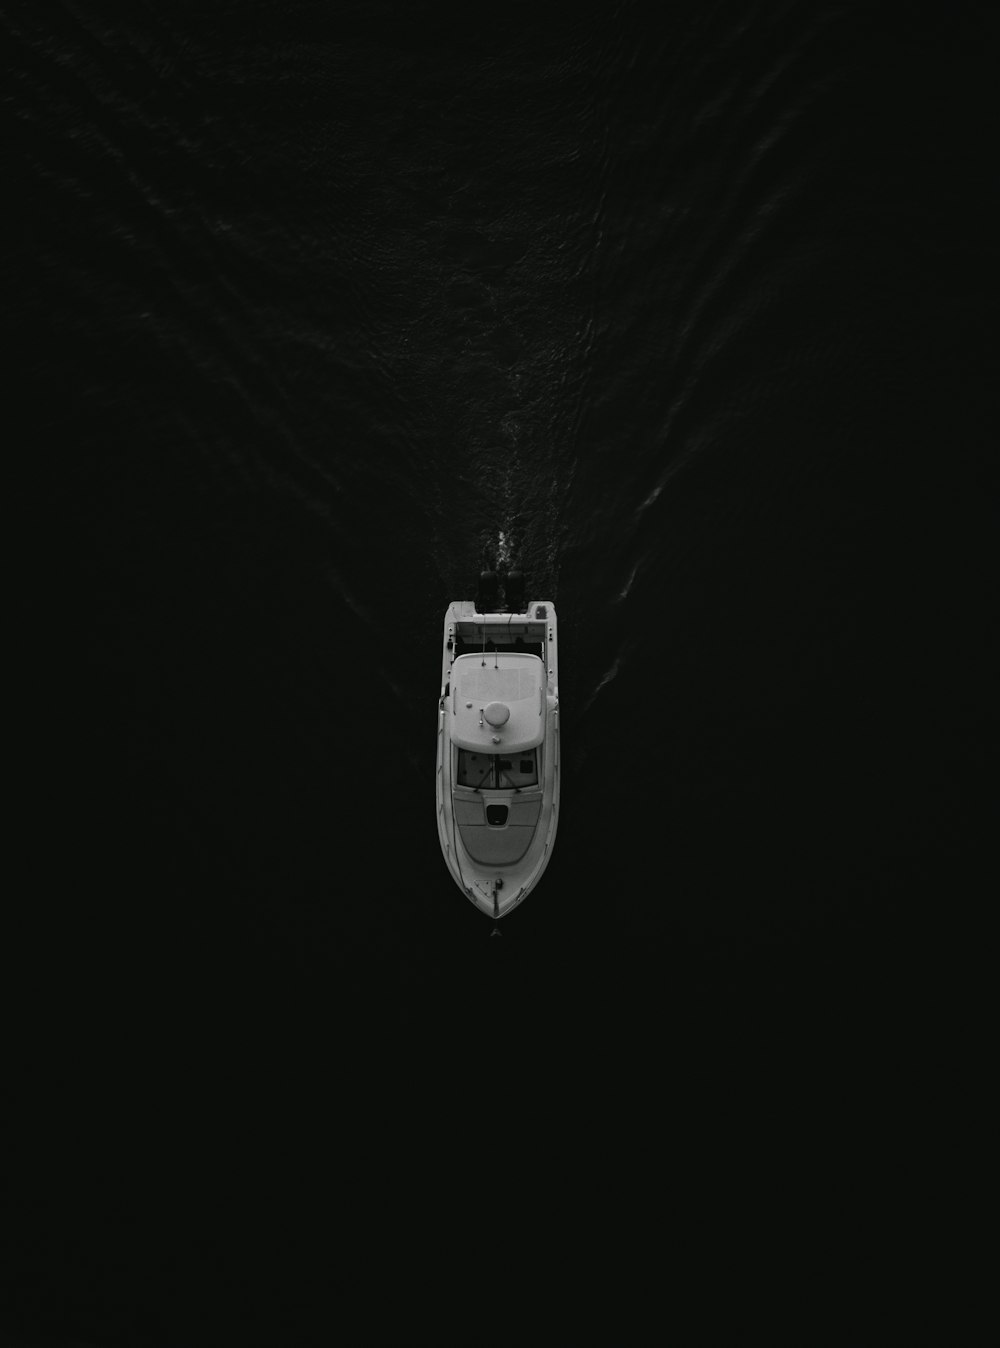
{"points": [[497, 713]]}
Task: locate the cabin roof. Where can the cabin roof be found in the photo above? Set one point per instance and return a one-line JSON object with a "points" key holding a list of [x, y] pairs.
{"points": [[517, 681]]}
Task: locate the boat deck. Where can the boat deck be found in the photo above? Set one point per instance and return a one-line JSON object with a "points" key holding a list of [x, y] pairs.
{"points": [[518, 632]]}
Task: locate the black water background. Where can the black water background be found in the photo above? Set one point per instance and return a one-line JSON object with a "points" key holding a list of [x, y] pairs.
{"points": [[309, 302]]}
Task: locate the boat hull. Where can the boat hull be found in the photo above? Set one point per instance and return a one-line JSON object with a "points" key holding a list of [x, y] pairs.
{"points": [[497, 840]]}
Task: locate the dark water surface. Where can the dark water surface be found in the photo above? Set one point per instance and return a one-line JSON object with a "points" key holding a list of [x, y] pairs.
{"points": [[310, 301]]}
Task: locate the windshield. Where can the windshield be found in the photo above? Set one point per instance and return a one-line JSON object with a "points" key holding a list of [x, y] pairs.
{"points": [[494, 772]]}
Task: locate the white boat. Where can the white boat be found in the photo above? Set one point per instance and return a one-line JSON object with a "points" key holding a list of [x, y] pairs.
{"points": [[497, 773]]}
